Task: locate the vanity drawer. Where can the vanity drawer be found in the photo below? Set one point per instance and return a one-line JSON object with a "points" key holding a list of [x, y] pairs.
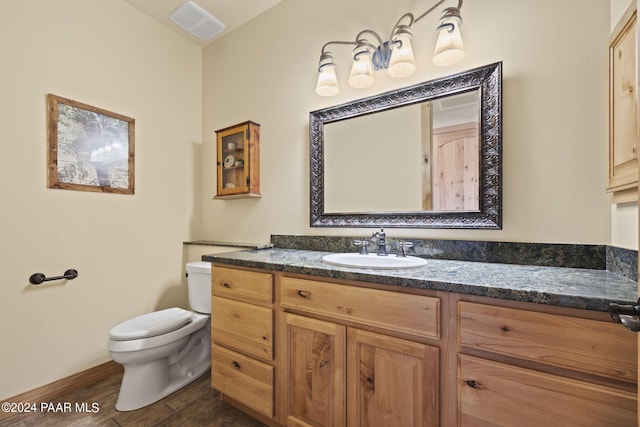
{"points": [[597, 347], [497, 394], [243, 285], [243, 379], [405, 313], [241, 326]]}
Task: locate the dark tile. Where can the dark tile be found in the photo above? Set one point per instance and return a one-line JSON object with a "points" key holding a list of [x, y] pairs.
{"points": [[194, 405]]}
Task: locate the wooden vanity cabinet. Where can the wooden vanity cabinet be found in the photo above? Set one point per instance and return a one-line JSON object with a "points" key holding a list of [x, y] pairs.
{"points": [[242, 336], [529, 368], [341, 374], [300, 350]]}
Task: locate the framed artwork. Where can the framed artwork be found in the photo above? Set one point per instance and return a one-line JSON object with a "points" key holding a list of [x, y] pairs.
{"points": [[90, 149]]}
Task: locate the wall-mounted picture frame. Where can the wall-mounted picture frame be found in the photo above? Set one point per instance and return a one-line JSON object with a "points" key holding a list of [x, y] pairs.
{"points": [[90, 149]]}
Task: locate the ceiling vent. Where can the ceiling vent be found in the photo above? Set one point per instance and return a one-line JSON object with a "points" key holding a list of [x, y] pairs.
{"points": [[197, 21]]}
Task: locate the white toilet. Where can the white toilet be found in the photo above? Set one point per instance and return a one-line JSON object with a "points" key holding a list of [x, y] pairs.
{"points": [[165, 350]]}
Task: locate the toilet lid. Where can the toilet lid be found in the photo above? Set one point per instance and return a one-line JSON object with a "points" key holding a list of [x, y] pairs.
{"points": [[151, 324]]}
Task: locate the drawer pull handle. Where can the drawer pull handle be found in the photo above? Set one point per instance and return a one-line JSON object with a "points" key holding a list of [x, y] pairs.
{"points": [[235, 365], [226, 285], [628, 315], [472, 383], [304, 294]]}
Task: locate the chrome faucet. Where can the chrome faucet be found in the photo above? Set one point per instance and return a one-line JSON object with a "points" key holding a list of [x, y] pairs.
{"points": [[363, 245], [402, 249], [380, 238]]}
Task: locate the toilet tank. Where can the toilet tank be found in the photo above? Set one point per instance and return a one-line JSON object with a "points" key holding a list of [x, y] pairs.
{"points": [[199, 284]]}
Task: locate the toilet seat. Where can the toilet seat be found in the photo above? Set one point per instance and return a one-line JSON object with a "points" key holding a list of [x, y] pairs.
{"points": [[151, 324]]}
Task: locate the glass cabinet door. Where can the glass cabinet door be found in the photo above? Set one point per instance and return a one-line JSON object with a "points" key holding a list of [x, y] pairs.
{"points": [[238, 161]]}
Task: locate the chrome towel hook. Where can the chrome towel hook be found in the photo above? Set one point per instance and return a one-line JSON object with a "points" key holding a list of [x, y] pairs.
{"points": [[38, 278]]}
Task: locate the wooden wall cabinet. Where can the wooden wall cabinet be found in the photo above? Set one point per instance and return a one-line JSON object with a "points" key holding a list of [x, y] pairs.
{"points": [[238, 164], [623, 121]]}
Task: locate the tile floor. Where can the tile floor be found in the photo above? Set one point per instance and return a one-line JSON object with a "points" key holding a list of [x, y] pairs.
{"points": [[194, 405]]}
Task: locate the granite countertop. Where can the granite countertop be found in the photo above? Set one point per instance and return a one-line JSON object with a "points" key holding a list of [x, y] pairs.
{"points": [[567, 287]]}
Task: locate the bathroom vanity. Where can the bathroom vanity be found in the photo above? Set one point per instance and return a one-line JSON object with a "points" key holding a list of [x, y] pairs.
{"points": [[299, 342]]}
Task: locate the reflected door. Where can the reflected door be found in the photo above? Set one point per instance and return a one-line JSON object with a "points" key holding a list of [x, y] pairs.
{"points": [[455, 168]]}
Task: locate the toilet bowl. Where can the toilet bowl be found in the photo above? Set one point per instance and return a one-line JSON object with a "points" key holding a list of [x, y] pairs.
{"points": [[165, 350]]}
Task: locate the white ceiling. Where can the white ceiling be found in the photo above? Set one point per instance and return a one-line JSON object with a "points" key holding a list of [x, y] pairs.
{"points": [[232, 13]]}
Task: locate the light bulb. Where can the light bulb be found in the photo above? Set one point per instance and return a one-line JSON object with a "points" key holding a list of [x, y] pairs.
{"points": [[327, 80], [361, 71], [449, 48], [402, 63]]}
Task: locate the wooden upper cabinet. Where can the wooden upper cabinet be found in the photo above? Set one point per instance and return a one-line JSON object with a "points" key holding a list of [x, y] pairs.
{"points": [[238, 164], [623, 121]]}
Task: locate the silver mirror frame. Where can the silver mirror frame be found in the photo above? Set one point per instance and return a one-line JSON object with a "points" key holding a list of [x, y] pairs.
{"points": [[488, 79]]}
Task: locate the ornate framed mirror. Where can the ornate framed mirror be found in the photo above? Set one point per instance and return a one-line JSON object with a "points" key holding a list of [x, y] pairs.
{"points": [[425, 156]]}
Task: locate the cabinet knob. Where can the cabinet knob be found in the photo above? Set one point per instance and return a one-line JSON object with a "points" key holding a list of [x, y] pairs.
{"points": [[371, 384], [472, 383], [304, 294], [226, 285], [235, 365]]}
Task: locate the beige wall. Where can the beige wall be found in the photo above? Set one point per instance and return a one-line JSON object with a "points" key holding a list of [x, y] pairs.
{"points": [[127, 249], [554, 116]]}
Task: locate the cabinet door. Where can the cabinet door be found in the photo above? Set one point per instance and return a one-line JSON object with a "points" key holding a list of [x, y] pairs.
{"points": [[316, 372], [391, 382], [238, 165], [233, 161], [496, 394], [623, 124]]}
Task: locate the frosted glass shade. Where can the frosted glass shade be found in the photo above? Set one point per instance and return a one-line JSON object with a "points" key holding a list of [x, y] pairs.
{"points": [[361, 71], [327, 81], [449, 48], [402, 63]]}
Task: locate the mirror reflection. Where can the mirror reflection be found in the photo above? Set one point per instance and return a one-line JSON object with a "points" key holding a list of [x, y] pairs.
{"points": [[420, 157], [424, 156]]}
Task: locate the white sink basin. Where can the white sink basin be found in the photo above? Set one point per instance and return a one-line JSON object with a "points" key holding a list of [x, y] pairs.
{"points": [[374, 261]]}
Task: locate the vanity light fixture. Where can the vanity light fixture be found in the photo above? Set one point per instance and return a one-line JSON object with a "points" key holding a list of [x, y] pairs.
{"points": [[395, 55]]}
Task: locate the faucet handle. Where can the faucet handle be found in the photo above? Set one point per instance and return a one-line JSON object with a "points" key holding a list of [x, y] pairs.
{"points": [[363, 244], [402, 248]]}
